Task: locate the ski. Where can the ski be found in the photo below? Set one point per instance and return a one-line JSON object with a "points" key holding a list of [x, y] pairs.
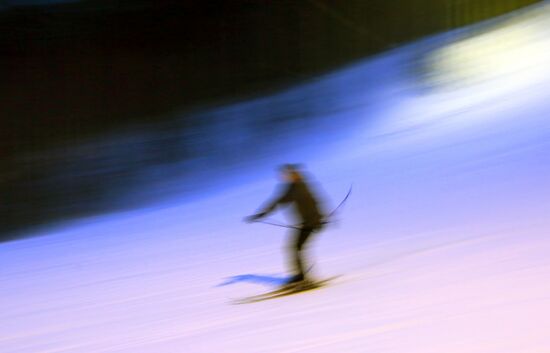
{"points": [[286, 291]]}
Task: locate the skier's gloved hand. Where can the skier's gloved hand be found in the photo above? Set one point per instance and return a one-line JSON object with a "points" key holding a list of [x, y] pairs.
{"points": [[254, 217]]}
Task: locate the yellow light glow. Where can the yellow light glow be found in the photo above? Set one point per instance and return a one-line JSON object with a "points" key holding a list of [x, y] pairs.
{"points": [[516, 53]]}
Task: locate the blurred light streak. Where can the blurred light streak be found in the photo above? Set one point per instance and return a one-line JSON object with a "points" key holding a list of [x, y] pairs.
{"points": [[512, 55]]}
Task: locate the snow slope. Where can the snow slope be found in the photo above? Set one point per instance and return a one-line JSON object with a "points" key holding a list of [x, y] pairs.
{"points": [[443, 244]]}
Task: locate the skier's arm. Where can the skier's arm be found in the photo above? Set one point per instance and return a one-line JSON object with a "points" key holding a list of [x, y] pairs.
{"points": [[285, 197]]}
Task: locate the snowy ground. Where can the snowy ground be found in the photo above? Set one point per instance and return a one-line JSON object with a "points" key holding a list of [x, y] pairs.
{"points": [[443, 245]]}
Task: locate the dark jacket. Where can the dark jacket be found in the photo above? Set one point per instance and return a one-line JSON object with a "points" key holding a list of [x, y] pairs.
{"points": [[305, 205]]}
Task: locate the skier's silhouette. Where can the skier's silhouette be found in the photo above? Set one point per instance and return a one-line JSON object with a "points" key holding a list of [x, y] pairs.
{"points": [[298, 193]]}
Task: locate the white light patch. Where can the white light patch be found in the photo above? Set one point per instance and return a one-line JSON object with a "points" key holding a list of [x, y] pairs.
{"points": [[512, 56]]}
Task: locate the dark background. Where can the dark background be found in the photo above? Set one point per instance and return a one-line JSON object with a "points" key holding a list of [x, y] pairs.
{"points": [[77, 71]]}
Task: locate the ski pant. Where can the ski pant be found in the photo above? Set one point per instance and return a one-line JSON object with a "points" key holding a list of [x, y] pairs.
{"points": [[297, 248]]}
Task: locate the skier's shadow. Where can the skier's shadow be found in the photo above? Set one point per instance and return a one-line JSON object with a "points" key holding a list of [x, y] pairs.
{"points": [[274, 281]]}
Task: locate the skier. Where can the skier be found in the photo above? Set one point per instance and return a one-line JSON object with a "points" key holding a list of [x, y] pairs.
{"points": [[297, 193]]}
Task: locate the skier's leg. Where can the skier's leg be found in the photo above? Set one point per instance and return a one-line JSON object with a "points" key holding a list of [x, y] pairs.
{"points": [[297, 248]]}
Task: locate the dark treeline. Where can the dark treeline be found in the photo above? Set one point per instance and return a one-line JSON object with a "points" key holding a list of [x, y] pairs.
{"points": [[80, 70]]}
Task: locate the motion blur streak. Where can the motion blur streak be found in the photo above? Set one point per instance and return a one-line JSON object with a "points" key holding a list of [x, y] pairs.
{"points": [[443, 245], [512, 55]]}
